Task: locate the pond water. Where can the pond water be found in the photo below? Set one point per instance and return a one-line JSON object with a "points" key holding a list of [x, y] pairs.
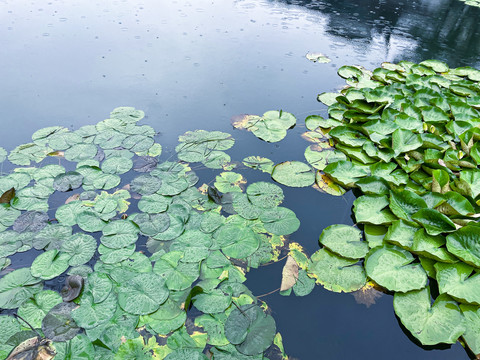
{"points": [[193, 65]]}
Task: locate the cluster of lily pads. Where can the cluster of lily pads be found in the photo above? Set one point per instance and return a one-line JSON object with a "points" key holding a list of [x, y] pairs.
{"points": [[154, 267], [405, 136]]}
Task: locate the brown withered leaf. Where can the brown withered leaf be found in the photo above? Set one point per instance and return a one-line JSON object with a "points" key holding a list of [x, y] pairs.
{"points": [[7, 196], [289, 274], [72, 198]]}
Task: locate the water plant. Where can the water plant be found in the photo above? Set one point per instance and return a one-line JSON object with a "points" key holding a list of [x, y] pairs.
{"points": [[154, 266]]}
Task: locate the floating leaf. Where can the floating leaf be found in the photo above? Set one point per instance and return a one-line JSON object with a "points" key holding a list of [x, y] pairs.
{"points": [[434, 222], [117, 165], [405, 203], [391, 267], [260, 163], [441, 322], [143, 294], [58, 324], [336, 273], [30, 221], [345, 241], [35, 309], [294, 174], [16, 287], [237, 241], [80, 247], [50, 264], [68, 181], [289, 274], [146, 184], [472, 323], [271, 127], [317, 57], [372, 209], [321, 154], [7, 196], [250, 329], [463, 243]]}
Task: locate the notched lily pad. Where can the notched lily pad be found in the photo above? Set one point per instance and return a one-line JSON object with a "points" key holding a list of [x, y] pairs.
{"points": [[58, 324]]}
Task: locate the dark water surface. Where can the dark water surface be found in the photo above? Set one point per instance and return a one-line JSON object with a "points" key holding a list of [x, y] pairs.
{"points": [[192, 65]]}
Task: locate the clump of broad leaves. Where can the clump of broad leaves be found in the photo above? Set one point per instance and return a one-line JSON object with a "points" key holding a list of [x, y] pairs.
{"points": [[153, 266]]}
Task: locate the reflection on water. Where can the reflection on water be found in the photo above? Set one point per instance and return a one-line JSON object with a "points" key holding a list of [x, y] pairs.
{"points": [[444, 29]]}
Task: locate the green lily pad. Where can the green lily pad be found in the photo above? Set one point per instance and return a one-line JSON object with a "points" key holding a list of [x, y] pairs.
{"points": [[119, 233], [463, 243], [58, 324], [294, 174], [345, 241], [336, 273], [457, 281], [391, 267], [237, 241], [178, 275], [117, 165], [80, 247], [441, 322], [250, 329], [406, 203], [35, 309], [68, 181], [229, 182], [321, 154], [271, 127], [91, 314], [259, 163], [434, 222], [472, 323], [216, 301], [50, 264], [372, 209], [146, 184], [18, 286], [280, 221], [143, 294]]}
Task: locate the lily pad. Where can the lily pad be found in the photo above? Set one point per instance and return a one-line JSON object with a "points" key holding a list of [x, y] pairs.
{"points": [[68, 181], [50, 264], [294, 174], [58, 324], [35, 309], [463, 243], [336, 273], [143, 294], [345, 241], [18, 286], [441, 322], [250, 329], [391, 267]]}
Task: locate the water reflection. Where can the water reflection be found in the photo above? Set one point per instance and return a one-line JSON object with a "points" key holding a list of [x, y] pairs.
{"points": [[445, 29]]}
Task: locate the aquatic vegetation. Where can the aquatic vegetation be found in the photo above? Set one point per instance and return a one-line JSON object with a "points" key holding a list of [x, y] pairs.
{"points": [[156, 266], [318, 57], [405, 137]]}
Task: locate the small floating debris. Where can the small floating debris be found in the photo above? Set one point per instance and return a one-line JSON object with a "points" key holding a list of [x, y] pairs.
{"points": [[318, 57]]}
